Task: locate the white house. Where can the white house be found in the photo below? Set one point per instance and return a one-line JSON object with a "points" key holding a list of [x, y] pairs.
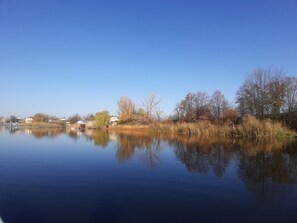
{"points": [[28, 120], [113, 120], [82, 122]]}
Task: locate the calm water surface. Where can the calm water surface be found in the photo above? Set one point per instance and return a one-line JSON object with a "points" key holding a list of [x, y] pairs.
{"points": [[53, 176]]}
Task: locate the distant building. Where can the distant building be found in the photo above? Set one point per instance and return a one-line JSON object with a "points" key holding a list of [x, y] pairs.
{"points": [[113, 120], [29, 120], [82, 124]]}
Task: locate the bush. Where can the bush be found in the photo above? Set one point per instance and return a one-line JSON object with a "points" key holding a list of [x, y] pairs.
{"points": [[254, 128]]}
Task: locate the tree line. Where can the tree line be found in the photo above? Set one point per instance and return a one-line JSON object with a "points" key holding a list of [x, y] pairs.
{"points": [[264, 93], [267, 92]]}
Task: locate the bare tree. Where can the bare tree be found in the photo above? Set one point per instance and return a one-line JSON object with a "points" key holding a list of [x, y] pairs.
{"points": [[291, 94], [258, 82], [151, 107], [263, 92], [89, 117], [218, 104], [201, 104], [245, 100], [185, 110], [126, 109], [39, 117], [276, 93], [193, 106], [253, 95], [180, 112], [73, 119]]}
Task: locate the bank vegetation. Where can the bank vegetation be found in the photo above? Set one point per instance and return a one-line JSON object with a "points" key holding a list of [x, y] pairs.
{"points": [[266, 107]]}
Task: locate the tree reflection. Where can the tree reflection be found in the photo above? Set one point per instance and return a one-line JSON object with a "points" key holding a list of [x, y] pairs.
{"points": [[101, 138], [269, 175], [193, 158], [73, 134], [267, 168], [46, 132], [145, 144], [219, 159], [204, 154], [125, 147], [150, 154]]}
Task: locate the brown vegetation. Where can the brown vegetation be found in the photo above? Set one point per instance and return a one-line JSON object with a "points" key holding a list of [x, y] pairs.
{"points": [[255, 128], [250, 127], [42, 125], [267, 102]]}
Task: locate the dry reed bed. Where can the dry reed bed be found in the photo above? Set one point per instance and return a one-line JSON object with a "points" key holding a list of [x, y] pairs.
{"points": [[250, 127]]}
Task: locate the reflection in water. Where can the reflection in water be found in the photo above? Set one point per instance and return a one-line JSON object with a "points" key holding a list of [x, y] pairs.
{"points": [[73, 135], [252, 147], [43, 132], [267, 168], [269, 175], [101, 138], [148, 146], [126, 147], [202, 154]]}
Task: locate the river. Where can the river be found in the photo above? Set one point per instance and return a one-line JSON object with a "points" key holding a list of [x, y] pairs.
{"points": [[93, 176]]}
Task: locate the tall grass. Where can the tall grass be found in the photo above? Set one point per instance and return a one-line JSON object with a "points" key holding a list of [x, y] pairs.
{"points": [[199, 128], [250, 127], [255, 128], [42, 125]]}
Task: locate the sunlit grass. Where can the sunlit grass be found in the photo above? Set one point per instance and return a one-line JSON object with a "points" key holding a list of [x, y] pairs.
{"points": [[250, 127]]}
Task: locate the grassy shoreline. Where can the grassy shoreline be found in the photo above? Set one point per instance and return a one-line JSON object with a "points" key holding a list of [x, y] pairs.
{"points": [[249, 128], [41, 125]]}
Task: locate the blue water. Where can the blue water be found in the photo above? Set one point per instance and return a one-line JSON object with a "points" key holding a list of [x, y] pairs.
{"points": [[104, 177]]}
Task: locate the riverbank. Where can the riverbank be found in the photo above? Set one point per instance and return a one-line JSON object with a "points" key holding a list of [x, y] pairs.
{"points": [[250, 127], [42, 125]]}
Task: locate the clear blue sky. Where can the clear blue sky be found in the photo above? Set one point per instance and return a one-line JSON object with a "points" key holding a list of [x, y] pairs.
{"points": [[62, 57]]}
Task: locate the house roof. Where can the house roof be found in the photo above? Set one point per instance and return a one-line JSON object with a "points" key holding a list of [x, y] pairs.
{"points": [[82, 122]]}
